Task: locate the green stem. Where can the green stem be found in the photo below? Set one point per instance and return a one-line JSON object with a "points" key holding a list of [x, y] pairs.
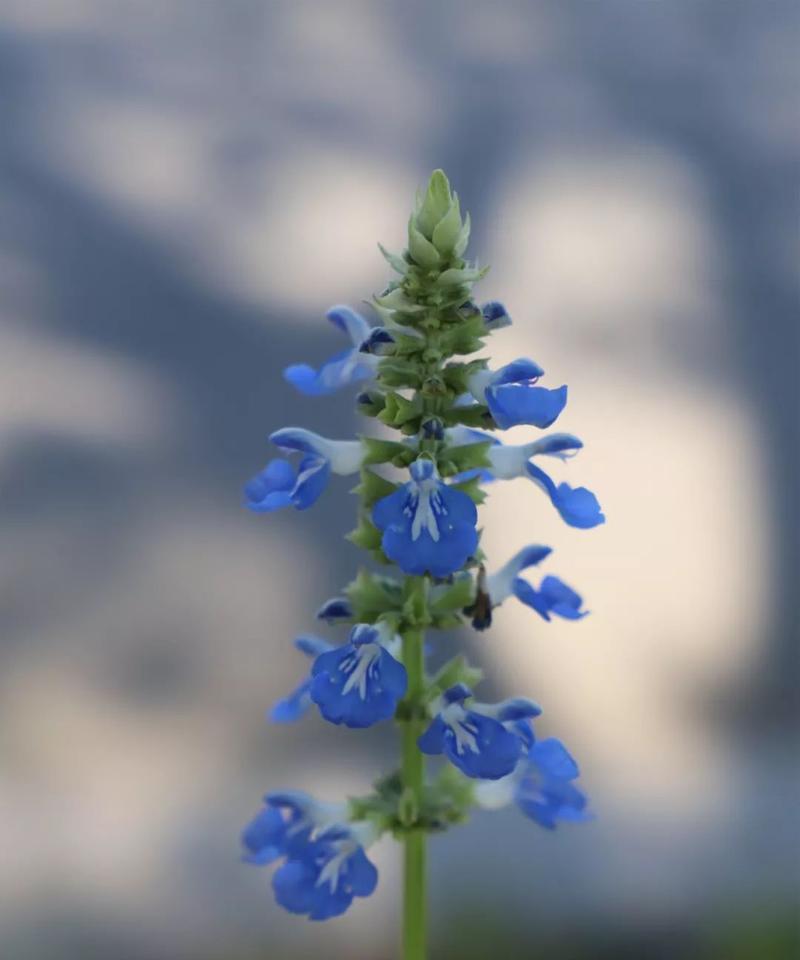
{"points": [[414, 896]]}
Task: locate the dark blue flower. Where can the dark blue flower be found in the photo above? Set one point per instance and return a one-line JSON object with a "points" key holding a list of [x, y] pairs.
{"points": [[344, 368], [495, 315], [359, 683], [322, 879], [284, 825], [335, 609], [281, 485], [427, 526], [291, 708], [480, 738]]}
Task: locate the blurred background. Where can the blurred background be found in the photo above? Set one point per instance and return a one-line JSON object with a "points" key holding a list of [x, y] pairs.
{"points": [[185, 187]]}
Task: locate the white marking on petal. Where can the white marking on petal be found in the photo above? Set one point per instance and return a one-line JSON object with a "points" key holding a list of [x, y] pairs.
{"points": [[456, 718], [357, 665]]}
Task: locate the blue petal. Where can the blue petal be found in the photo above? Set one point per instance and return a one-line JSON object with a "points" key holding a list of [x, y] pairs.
{"points": [[385, 684], [362, 874], [349, 322], [497, 753], [522, 370], [341, 370], [577, 505], [517, 708], [294, 885], [294, 706], [553, 759], [312, 478], [271, 489], [495, 315], [312, 646], [554, 596], [264, 837], [458, 538], [514, 404], [432, 740]]}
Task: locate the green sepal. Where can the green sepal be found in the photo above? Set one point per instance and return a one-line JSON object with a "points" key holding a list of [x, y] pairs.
{"points": [[448, 230], [366, 535], [455, 276], [384, 451], [473, 490], [472, 416], [395, 261], [373, 595], [434, 204], [415, 602], [470, 456], [396, 300], [370, 403], [452, 597], [420, 249], [457, 670], [373, 488], [398, 410], [399, 373], [466, 336], [463, 238]]}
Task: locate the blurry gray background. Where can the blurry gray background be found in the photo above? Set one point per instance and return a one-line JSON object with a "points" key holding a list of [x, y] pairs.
{"points": [[185, 187]]}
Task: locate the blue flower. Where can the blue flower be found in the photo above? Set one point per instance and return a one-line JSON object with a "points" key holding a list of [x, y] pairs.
{"points": [[282, 485], [542, 784], [322, 879], [299, 701], [427, 526], [284, 825], [349, 366], [553, 596], [577, 506], [479, 739], [512, 397], [359, 683], [335, 609]]}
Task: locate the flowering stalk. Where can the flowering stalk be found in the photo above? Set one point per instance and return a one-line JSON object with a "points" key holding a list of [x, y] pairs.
{"points": [[414, 380]]}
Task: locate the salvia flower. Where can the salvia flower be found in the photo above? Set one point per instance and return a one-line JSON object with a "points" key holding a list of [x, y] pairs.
{"points": [[577, 506], [361, 682], [512, 397], [281, 484], [284, 825], [495, 315], [321, 879], [542, 784], [427, 526], [350, 366], [552, 597], [478, 738], [298, 702]]}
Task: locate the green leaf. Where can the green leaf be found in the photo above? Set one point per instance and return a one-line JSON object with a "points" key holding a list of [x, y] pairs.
{"points": [[455, 276]]}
